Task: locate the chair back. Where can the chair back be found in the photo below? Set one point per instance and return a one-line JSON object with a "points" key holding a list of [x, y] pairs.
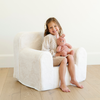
{"points": [[23, 40], [32, 40]]}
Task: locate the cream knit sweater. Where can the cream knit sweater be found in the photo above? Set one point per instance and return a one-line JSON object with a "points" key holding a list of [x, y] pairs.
{"points": [[49, 44]]}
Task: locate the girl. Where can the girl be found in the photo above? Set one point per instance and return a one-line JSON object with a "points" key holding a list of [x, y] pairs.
{"points": [[52, 32]]}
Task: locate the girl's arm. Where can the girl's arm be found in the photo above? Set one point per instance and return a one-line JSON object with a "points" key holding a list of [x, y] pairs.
{"points": [[68, 45], [58, 49], [46, 45], [57, 54]]}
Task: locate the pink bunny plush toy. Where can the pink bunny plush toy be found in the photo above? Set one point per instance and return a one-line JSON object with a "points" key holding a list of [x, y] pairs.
{"points": [[63, 48]]}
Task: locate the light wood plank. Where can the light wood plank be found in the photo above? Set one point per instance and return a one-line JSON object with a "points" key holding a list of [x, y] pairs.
{"points": [[98, 67], [51, 95], [93, 80], [16, 96], [11, 86], [88, 91], [10, 72], [93, 99], [3, 75], [64, 95], [73, 95], [95, 71], [29, 93], [11, 89]]}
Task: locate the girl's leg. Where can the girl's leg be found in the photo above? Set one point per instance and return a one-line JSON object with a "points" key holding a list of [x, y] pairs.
{"points": [[62, 72], [71, 68]]}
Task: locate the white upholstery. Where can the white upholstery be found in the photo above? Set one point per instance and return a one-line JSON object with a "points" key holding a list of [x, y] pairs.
{"points": [[34, 68]]}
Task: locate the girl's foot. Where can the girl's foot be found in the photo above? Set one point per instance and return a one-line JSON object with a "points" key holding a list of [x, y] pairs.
{"points": [[64, 88], [77, 84]]}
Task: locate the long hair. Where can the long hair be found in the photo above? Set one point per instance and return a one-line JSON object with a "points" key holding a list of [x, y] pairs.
{"points": [[52, 19]]}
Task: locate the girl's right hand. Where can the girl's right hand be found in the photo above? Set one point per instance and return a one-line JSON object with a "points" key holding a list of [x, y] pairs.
{"points": [[57, 54]]}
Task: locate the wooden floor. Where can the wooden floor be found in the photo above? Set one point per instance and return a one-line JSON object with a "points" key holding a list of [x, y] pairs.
{"points": [[11, 89]]}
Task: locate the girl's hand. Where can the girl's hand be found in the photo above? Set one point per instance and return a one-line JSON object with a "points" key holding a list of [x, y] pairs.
{"points": [[58, 49], [57, 54], [63, 53], [68, 45], [57, 35]]}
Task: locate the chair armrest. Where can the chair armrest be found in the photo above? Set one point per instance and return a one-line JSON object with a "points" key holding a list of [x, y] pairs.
{"points": [[34, 56], [37, 64], [80, 55], [81, 63]]}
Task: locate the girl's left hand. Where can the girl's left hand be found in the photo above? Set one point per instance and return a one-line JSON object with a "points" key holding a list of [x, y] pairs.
{"points": [[57, 35]]}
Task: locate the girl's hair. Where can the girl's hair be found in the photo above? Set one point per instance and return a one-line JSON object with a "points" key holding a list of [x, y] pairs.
{"points": [[52, 19]]}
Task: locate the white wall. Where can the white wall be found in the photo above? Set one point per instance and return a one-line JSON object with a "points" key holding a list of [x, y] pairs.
{"points": [[80, 20]]}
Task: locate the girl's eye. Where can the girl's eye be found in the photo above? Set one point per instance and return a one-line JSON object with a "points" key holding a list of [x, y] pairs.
{"points": [[63, 41], [55, 25]]}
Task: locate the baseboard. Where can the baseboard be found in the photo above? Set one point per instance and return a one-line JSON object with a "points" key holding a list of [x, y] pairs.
{"points": [[6, 61], [93, 58]]}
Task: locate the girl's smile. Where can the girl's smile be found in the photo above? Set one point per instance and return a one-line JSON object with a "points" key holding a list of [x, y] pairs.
{"points": [[53, 28]]}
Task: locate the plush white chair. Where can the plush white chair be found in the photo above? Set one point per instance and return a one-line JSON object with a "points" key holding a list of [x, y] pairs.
{"points": [[34, 68]]}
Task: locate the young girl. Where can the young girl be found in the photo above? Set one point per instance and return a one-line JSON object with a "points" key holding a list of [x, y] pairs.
{"points": [[52, 32]]}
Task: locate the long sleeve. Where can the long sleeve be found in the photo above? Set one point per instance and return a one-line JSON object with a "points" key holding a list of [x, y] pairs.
{"points": [[49, 44]]}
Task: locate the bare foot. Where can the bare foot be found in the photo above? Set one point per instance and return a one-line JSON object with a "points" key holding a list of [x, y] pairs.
{"points": [[64, 88], [77, 84]]}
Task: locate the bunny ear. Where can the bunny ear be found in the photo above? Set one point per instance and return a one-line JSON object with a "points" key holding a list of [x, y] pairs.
{"points": [[63, 35]]}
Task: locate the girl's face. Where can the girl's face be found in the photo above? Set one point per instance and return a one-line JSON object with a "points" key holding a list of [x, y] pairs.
{"points": [[53, 28]]}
